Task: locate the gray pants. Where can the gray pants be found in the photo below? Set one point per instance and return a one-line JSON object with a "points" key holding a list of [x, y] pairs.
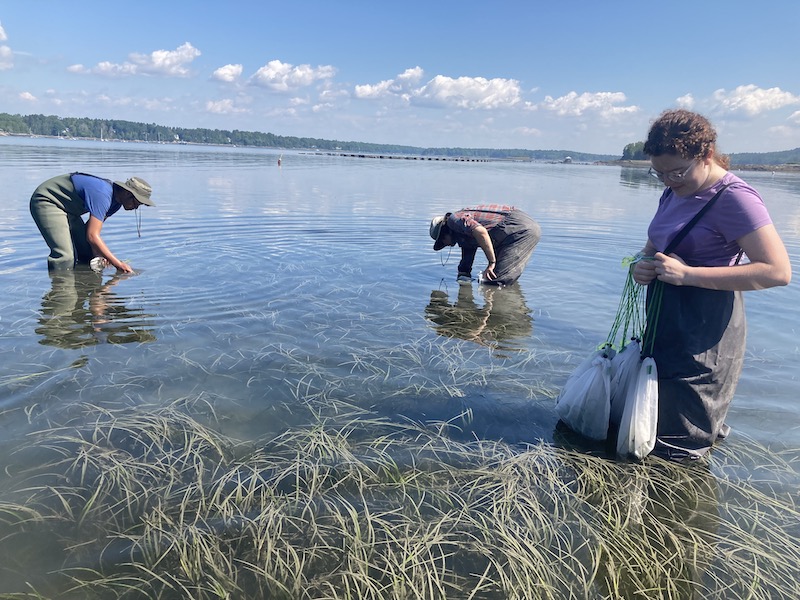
{"points": [[64, 233], [514, 242], [699, 350]]}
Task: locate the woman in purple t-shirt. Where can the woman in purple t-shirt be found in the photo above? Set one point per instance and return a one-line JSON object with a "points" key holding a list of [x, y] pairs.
{"points": [[700, 331]]}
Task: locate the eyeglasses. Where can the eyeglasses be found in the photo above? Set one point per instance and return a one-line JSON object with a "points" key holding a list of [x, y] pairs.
{"points": [[674, 176]]}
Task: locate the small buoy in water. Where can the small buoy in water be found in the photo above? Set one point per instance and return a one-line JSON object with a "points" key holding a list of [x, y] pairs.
{"points": [[279, 160]]}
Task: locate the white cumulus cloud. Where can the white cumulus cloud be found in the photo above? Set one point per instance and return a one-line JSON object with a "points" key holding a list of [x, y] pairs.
{"points": [[27, 97], [470, 92], [753, 100], [575, 105], [284, 77], [410, 77], [403, 86], [6, 55], [528, 131], [686, 102], [223, 107], [110, 69], [168, 63], [376, 90], [228, 73], [6, 58], [462, 92]]}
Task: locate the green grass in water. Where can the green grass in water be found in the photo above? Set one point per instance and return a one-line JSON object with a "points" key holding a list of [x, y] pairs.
{"points": [[152, 502]]}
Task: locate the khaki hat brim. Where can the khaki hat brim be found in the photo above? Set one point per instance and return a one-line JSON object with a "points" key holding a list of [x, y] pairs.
{"points": [[137, 195]]}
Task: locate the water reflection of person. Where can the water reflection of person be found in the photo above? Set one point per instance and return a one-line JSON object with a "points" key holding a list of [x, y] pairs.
{"points": [[503, 316], [81, 310]]}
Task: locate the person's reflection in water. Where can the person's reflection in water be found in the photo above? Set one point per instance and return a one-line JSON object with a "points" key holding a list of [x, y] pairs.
{"points": [[504, 315], [82, 310]]}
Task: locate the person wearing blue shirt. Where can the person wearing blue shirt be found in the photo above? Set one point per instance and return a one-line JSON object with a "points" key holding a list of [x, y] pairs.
{"points": [[58, 205]]}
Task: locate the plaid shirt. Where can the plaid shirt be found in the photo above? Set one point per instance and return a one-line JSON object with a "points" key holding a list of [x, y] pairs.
{"points": [[463, 222]]}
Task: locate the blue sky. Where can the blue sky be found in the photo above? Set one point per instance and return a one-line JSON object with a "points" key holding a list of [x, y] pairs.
{"points": [[581, 75]]}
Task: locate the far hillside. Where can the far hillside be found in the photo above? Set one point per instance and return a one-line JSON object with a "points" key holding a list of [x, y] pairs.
{"points": [[787, 157], [113, 129], [129, 131], [635, 151]]}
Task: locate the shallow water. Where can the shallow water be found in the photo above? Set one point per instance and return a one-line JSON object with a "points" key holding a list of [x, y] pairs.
{"points": [[263, 293], [259, 283]]}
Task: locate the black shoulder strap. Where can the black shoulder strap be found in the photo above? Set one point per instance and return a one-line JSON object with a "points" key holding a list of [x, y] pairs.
{"points": [[686, 228]]}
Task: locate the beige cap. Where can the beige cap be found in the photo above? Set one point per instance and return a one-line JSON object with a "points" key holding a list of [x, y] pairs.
{"points": [[140, 189]]}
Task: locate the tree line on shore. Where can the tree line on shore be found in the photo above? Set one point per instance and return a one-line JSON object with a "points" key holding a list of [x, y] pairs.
{"points": [[635, 151], [116, 129]]}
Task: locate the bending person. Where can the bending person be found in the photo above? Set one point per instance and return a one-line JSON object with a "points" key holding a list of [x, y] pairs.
{"points": [[506, 235], [58, 204], [699, 341]]}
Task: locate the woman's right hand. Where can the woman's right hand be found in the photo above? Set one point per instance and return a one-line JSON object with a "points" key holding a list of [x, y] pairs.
{"points": [[124, 268]]}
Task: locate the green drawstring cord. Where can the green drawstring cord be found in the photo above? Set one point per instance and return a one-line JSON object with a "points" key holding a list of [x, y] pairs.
{"points": [[632, 297], [653, 314], [630, 321], [636, 319]]}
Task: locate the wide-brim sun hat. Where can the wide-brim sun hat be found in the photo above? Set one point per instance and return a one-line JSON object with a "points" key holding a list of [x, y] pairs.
{"points": [[437, 224], [140, 189]]}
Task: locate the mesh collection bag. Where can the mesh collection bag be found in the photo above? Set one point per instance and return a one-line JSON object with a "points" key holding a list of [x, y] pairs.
{"points": [[615, 388]]}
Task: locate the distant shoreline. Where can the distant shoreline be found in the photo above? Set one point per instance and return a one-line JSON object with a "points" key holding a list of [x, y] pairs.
{"points": [[641, 164], [635, 164]]}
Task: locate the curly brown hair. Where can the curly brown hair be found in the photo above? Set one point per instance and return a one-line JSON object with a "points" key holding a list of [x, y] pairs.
{"points": [[684, 133]]}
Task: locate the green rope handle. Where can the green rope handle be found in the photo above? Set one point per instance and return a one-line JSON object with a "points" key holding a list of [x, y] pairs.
{"points": [[630, 321], [653, 315]]}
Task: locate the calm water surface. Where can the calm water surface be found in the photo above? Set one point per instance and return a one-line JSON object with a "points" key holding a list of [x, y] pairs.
{"points": [[259, 285]]}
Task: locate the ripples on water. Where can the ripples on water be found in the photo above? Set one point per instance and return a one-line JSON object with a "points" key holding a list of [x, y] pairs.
{"points": [[329, 257]]}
